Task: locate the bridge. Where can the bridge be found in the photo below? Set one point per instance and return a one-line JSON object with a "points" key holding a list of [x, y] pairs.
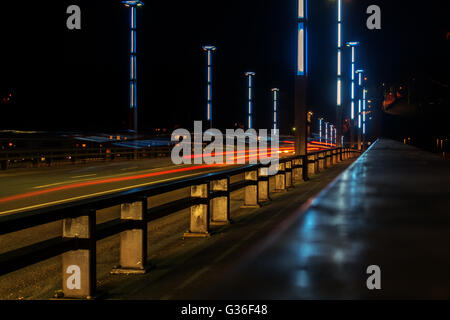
{"points": [[310, 232]]}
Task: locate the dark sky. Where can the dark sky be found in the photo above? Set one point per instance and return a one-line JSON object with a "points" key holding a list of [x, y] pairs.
{"points": [[78, 80]]}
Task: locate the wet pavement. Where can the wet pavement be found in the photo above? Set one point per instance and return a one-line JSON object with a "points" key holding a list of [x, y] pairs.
{"points": [[390, 208]]}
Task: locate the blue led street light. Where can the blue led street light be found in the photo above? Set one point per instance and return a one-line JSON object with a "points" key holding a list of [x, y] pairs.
{"points": [[209, 50], [133, 4]]}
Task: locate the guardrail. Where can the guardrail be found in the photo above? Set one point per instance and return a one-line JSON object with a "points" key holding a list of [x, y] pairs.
{"points": [[209, 202], [34, 158]]}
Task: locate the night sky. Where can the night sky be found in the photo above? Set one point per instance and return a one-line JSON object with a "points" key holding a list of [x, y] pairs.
{"points": [[78, 79]]}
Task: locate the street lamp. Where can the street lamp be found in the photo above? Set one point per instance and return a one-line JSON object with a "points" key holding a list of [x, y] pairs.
{"points": [[326, 133], [353, 45], [250, 76], [133, 4], [301, 78], [275, 107], [320, 129], [339, 61], [360, 75], [209, 50]]}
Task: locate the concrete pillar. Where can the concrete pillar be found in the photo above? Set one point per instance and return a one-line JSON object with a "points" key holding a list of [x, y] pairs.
{"points": [[289, 179], [297, 170], [322, 161], [328, 159], [133, 243], [311, 165], [220, 203], [280, 178], [263, 185], [251, 190], [200, 215], [79, 266], [334, 158], [316, 163]]}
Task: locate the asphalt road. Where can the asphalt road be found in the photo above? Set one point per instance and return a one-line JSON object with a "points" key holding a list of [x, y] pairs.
{"points": [[180, 268], [25, 189]]}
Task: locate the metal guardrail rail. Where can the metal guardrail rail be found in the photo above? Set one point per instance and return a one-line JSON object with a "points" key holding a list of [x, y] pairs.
{"points": [[35, 157], [209, 202]]}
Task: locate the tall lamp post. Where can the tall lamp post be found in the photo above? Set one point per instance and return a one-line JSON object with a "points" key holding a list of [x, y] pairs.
{"points": [[361, 93], [301, 79], [275, 92], [250, 76], [209, 50], [339, 71], [133, 4], [352, 45]]}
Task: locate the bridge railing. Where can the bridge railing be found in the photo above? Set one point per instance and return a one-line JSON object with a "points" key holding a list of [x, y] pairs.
{"points": [[34, 158], [209, 203]]}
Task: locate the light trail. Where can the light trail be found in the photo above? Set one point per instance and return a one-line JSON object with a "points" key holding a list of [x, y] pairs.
{"points": [[97, 182]]}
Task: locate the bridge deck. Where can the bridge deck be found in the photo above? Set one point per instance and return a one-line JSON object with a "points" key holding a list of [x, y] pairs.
{"points": [[391, 208]]}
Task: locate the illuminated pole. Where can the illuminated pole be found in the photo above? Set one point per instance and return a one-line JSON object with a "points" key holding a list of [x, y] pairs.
{"points": [[353, 46], [335, 136], [250, 76], [320, 129], [276, 92], [326, 133], [331, 133], [133, 4], [209, 50], [301, 80], [360, 74], [339, 61]]}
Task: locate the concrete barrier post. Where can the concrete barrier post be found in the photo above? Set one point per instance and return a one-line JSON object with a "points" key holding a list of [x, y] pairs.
{"points": [[251, 189], [220, 204], [297, 170], [79, 265], [200, 215], [328, 159], [288, 169], [133, 243], [311, 165], [280, 178], [263, 185], [334, 158], [322, 161]]}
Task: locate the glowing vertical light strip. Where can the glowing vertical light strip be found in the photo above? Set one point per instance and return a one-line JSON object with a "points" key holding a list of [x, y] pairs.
{"points": [[301, 54], [353, 90], [326, 132], [353, 110], [360, 78], [209, 91], [320, 129], [359, 113], [339, 35], [301, 9], [250, 99], [339, 64], [339, 45], [275, 108], [339, 92]]}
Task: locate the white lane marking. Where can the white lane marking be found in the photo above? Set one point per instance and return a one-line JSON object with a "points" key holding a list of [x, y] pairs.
{"points": [[94, 194], [102, 177], [129, 168], [86, 175]]}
